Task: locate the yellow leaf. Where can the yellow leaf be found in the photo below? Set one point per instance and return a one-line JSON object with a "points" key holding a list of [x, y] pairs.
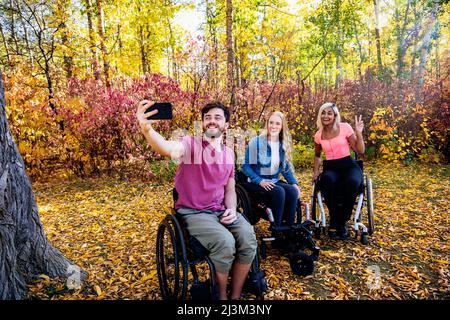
{"points": [[98, 290]]}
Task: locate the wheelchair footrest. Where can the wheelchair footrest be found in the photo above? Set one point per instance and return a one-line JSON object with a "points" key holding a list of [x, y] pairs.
{"points": [[204, 291], [256, 283]]}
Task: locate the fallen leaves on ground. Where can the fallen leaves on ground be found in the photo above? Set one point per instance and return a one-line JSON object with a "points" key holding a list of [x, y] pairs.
{"points": [[108, 228]]}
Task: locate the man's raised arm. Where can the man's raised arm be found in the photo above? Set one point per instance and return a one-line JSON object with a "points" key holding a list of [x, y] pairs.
{"points": [[173, 149]]}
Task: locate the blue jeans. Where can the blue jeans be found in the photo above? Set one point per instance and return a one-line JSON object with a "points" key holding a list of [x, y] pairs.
{"points": [[283, 201]]}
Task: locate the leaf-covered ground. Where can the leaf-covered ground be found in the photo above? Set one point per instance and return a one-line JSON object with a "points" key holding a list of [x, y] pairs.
{"points": [[108, 227]]}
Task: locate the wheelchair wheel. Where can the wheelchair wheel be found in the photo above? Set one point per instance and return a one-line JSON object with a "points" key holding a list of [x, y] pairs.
{"points": [[244, 205], [369, 195], [171, 261], [301, 264]]}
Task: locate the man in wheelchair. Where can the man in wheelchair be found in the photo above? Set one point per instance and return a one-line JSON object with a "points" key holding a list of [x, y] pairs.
{"points": [[206, 194]]}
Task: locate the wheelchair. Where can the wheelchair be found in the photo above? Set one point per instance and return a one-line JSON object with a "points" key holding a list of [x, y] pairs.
{"points": [[185, 271], [295, 241], [363, 220]]}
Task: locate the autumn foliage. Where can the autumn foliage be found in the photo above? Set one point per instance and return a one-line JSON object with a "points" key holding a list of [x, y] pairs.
{"points": [[100, 132]]}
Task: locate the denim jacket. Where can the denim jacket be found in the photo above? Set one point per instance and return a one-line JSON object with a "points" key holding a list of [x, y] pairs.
{"points": [[257, 162]]}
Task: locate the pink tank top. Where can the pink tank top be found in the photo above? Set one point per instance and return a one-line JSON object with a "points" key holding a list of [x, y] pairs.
{"points": [[337, 147]]}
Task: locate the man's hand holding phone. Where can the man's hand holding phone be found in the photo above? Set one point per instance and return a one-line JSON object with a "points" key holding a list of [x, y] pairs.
{"points": [[149, 112], [146, 115]]}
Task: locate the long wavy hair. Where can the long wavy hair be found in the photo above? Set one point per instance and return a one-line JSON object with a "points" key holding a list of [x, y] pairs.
{"points": [[285, 135], [337, 116]]}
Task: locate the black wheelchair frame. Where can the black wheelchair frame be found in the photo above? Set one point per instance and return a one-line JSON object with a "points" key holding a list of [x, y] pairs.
{"points": [[363, 222], [295, 241], [184, 268]]}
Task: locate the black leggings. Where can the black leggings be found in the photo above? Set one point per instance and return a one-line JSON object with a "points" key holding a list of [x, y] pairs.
{"points": [[340, 173], [283, 199]]}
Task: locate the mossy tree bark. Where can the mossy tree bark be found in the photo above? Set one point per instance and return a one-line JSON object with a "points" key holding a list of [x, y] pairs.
{"points": [[25, 252]]}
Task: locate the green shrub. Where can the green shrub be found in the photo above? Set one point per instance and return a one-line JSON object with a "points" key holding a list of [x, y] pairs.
{"points": [[163, 170], [303, 156]]}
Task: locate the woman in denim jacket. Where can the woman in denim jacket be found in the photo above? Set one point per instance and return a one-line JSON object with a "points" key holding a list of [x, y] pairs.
{"points": [[268, 155]]}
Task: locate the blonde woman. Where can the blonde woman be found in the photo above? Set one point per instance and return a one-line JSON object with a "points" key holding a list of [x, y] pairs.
{"points": [[336, 138], [266, 157]]}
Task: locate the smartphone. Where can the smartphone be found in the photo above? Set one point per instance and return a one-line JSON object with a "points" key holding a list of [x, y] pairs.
{"points": [[164, 111]]}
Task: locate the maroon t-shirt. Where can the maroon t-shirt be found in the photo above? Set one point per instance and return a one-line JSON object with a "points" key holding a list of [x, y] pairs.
{"points": [[202, 175]]}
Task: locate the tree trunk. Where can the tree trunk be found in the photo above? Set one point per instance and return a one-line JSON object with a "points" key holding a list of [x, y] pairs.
{"points": [[339, 45], [142, 49], [25, 34], [102, 36], [438, 62], [376, 5], [92, 46], [213, 81], [13, 30], [67, 56], [172, 51], [237, 66], [25, 251], [403, 42], [425, 49], [230, 55], [415, 36], [360, 51], [6, 45]]}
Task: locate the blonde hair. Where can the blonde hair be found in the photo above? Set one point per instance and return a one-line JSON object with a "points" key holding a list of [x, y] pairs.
{"points": [[337, 116], [285, 136]]}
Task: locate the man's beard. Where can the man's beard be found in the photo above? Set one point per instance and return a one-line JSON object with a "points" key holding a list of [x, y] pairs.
{"points": [[213, 134]]}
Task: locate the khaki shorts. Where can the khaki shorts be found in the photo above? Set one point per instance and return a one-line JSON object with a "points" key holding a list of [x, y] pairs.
{"points": [[226, 243]]}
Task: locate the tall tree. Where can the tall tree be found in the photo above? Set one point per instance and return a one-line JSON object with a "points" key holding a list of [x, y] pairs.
{"points": [[25, 32], [92, 44], [5, 44], [415, 41], [339, 43], [102, 36], [230, 55], [40, 18], [212, 14], [425, 48], [25, 252], [403, 37], [376, 5], [142, 41], [61, 19]]}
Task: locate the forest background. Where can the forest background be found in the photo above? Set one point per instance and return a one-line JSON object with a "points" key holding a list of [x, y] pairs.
{"points": [[74, 70]]}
